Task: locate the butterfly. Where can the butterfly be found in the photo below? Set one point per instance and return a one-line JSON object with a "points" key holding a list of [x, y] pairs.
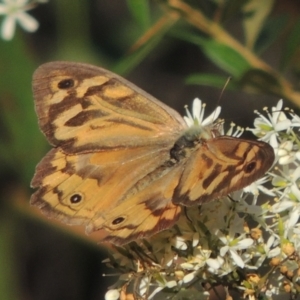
{"points": [[125, 162]]}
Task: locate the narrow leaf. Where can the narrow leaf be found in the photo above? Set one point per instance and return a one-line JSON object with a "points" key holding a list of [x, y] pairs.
{"points": [[291, 46], [256, 12], [210, 80], [140, 11], [225, 57]]}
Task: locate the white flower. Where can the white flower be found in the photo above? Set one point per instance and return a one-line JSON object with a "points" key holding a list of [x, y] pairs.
{"points": [[14, 12], [267, 128], [290, 200], [198, 110], [294, 237], [220, 266], [290, 183], [282, 206], [112, 295], [295, 119], [285, 153], [232, 245], [259, 185], [293, 217], [214, 264], [179, 243], [270, 249]]}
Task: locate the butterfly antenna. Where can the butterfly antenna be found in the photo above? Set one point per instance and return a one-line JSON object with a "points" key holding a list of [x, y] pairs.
{"points": [[221, 94], [223, 90]]}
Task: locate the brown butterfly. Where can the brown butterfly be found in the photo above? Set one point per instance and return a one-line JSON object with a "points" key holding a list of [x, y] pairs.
{"points": [[125, 162]]}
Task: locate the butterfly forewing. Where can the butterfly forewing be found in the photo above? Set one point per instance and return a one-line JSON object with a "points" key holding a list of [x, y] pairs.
{"points": [[84, 108]]}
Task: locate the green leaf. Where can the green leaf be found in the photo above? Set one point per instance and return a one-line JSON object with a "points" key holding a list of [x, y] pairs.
{"points": [[21, 143], [140, 11], [210, 80], [9, 281], [79, 46], [270, 32], [230, 9], [259, 81], [291, 46], [226, 58], [221, 55], [126, 64], [256, 12]]}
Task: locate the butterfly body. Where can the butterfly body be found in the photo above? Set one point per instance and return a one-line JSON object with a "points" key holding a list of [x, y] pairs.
{"points": [[125, 162]]}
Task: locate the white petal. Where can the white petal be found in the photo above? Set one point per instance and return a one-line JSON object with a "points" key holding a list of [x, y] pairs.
{"points": [[238, 260], [187, 266], [243, 244], [8, 28], [220, 260], [279, 105], [281, 206], [282, 117], [270, 241], [287, 145], [283, 125], [295, 191], [180, 244], [274, 252], [224, 250], [144, 284], [196, 238], [293, 218], [189, 277], [112, 295], [189, 122], [196, 108], [296, 174], [213, 263], [157, 290], [266, 191], [212, 117], [273, 141], [171, 284], [27, 22], [286, 159]]}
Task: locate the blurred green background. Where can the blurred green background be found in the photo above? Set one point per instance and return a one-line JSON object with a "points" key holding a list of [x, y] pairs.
{"points": [[176, 51]]}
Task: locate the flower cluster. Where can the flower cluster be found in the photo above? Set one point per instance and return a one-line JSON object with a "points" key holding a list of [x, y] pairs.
{"points": [[14, 11], [248, 242]]}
